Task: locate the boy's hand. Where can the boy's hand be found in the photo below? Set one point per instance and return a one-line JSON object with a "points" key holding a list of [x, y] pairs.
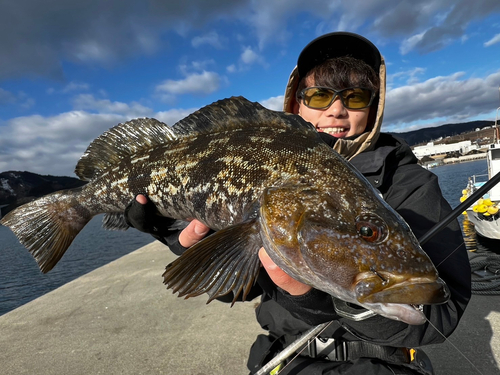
{"points": [[280, 278]]}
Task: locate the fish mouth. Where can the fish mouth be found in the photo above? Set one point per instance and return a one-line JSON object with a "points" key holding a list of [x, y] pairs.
{"points": [[415, 291]]}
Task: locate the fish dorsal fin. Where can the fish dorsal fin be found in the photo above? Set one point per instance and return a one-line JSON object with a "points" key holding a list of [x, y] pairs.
{"points": [[119, 142], [129, 138], [236, 113]]}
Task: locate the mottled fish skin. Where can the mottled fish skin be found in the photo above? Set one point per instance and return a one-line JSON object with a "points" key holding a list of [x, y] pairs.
{"points": [[211, 177], [260, 178]]}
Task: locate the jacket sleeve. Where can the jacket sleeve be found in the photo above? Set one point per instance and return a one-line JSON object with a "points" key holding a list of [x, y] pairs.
{"points": [[414, 192]]}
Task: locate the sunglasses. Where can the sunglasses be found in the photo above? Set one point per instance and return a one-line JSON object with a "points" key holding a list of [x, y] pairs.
{"points": [[318, 97]]}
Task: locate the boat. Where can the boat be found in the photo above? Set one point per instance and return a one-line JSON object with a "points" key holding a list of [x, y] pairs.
{"points": [[485, 213]]}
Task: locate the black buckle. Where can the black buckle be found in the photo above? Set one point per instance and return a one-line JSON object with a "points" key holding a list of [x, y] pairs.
{"points": [[329, 349]]}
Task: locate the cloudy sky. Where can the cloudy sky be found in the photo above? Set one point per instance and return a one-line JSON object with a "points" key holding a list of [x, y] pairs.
{"points": [[69, 70]]}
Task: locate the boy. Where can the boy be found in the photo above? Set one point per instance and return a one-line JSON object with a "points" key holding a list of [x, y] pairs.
{"points": [[339, 86]]}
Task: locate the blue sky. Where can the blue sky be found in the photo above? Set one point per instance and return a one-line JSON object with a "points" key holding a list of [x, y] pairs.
{"points": [[70, 70]]}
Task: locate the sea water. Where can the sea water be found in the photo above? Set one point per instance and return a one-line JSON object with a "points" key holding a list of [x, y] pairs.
{"points": [[21, 280]]}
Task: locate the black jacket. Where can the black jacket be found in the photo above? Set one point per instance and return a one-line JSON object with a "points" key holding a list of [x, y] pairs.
{"points": [[415, 194]]}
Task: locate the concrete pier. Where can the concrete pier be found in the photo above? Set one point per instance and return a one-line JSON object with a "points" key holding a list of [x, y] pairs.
{"points": [[120, 319]]}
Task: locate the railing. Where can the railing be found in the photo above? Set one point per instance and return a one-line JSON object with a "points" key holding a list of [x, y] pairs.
{"points": [[484, 176]]}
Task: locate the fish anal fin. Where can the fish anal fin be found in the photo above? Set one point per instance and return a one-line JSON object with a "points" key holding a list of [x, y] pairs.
{"points": [[227, 261]]}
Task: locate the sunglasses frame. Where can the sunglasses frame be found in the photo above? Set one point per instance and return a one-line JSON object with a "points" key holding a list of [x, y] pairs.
{"points": [[300, 96]]}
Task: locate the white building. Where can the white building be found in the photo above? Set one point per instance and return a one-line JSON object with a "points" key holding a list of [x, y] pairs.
{"points": [[430, 149]]}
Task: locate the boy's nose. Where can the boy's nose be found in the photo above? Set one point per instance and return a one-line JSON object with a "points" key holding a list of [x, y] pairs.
{"points": [[336, 108]]}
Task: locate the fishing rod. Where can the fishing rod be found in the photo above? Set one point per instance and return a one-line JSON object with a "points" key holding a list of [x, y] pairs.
{"points": [[292, 348], [461, 208]]}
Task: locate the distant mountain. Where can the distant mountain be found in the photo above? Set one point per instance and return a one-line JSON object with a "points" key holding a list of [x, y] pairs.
{"points": [[17, 188], [425, 135]]}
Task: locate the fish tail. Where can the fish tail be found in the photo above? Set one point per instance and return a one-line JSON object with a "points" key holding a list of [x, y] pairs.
{"points": [[48, 225]]}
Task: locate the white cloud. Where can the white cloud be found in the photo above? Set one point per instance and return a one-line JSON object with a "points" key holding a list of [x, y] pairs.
{"points": [[212, 39], [54, 144], [494, 40], [249, 56], [408, 76], [95, 33], [172, 116], [89, 102], [50, 145], [75, 86], [125, 30], [429, 25], [274, 103], [124, 33], [196, 66], [410, 43], [268, 19], [70, 87], [91, 50], [196, 83], [451, 98]]}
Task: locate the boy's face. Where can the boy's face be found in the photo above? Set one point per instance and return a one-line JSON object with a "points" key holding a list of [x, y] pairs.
{"points": [[336, 119]]}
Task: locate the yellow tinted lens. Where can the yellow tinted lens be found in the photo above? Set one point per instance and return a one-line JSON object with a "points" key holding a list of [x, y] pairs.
{"points": [[356, 98], [317, 97]]}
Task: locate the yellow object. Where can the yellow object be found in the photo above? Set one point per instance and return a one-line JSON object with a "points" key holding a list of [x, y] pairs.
{"points": [[275, 370], [412, 354], [488, 202], [480, 202], [462, 198], [481, 208], [464, 192], [475, 208], [492, 210]]}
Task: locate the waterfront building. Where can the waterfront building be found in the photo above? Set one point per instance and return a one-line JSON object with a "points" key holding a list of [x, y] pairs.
{"points": [[430, 149]]}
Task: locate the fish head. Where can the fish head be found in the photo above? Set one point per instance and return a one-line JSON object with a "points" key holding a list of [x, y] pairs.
{"points": [[363, 253]]}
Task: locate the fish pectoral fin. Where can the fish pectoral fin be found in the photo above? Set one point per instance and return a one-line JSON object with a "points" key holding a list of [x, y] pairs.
{"points": [[227, 261], [115, 221]]}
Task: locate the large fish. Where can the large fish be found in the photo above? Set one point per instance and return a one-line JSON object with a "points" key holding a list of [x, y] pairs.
{"points": [[259, 178]]}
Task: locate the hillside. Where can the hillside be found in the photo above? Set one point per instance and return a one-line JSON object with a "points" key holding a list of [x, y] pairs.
{"points": [[425, 135], [17, 188]]}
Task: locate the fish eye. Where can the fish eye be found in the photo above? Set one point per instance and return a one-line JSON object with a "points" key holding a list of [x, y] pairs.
{"points": [[366, 232], [371, 228]]}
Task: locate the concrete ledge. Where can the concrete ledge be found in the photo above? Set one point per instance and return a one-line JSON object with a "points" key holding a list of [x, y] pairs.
{"points": [[120, 319], [474, 348]]}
